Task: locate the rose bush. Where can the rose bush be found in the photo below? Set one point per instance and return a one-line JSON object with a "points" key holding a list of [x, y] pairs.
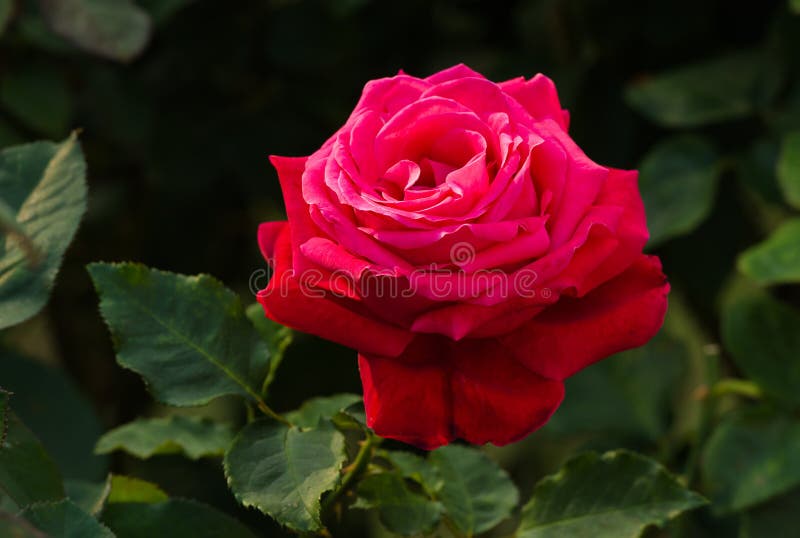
{"points": [[456, 236]]}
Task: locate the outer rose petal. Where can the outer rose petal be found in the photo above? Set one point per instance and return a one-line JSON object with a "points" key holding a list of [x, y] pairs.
{"points": [[268, 233], [290, 172], [592, 263], [621, 314], [453, 73], [438, 391], [539, 97], [289, 302]]}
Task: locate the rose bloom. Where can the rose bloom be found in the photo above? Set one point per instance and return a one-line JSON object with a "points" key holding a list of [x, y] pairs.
{"points": [[454, 235]]}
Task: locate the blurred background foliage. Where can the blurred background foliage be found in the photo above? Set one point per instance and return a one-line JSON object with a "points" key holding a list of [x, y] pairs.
{"points": [[180, 102]]}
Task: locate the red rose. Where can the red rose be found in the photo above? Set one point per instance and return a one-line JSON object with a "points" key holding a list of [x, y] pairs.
{"points": [[454, 234]]}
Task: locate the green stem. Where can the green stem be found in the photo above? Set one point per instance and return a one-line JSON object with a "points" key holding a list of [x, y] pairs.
{"points": [[707, 408], [358, 466], [264, 408], [737, 387]]}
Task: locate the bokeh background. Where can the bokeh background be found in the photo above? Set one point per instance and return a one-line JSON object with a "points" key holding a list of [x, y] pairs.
{"points": [[177, 139]]}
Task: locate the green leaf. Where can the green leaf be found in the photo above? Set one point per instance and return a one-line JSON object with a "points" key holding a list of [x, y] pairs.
{"points": [[27, 474], [629, 394], [195, 437], [14, 526], [39, 98], [416, 468], [49, 403], [93, 497], [186, 335], [477, 494], [283, 471], [65, 519], [277, 337], [789, 169], [162, 11], [750, 458], [775, 260], [763, 338], [90, 497], [14, 232], [6, 11], [44, 184], [176, 518], [772, 519], [794, 6], [400, 510], [678, 182], [616, 495], [127, 489], [725, 88], [115, 29], [5, 396], [322, 408]]}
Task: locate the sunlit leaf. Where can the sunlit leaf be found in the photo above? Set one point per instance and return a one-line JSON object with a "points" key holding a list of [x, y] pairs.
{"points": [[44, 184], [127, 489]]}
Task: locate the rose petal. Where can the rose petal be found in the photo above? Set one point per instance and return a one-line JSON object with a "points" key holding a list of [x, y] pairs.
{"points": [[453, 73], [496, 399], [267, 235], [288, 300], [405, 401], [621, 314], [439, 391], [290, 171], [539, 97], [561, 167]]}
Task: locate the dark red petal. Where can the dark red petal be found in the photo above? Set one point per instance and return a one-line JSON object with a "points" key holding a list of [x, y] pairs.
{"points": [[289, 300], [623, 313], [438, 391], [267, 235], [407, 401], [495, 398]]}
